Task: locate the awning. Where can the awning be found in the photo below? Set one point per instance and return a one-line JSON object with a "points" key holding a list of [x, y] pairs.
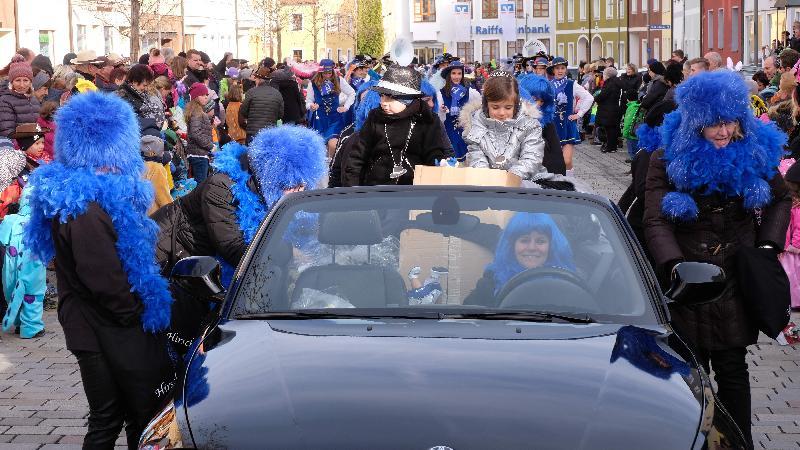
{"points": [[786, 3]]}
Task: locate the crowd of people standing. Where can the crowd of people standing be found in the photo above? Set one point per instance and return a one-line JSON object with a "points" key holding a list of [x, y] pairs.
{"points": [[115, 170]]}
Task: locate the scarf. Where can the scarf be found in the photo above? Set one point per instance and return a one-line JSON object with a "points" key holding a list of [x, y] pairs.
{"points": [[560, 85], [63, 193]]}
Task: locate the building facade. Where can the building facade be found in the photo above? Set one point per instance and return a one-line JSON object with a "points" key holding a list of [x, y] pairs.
{"points": [[721, 23], [435, 26], [686, 27], [650, 36], [590, 29], [8, 26], [317, 29]]}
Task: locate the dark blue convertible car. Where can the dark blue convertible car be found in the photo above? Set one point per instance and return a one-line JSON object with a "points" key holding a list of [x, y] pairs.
{"points": [[443, 317]]}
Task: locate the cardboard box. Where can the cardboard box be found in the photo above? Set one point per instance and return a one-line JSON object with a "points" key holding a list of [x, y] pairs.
{"points": [[464, 176]]}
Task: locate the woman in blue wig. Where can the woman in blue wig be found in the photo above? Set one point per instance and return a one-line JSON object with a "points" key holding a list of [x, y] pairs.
{"points": [[530, 241], [328, 101], [455, 95], [538, 90], [221, 216], [88, 212], [716, 171]]}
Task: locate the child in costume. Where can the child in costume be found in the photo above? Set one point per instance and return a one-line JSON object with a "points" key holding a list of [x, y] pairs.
{"points": [[455, 95], [88, 213], [501, 131], [328, 101], [567, 114], [24, 282]]}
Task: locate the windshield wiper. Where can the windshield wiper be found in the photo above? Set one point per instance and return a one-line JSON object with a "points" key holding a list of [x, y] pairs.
{"points": [[340, 314], [524, 316]]}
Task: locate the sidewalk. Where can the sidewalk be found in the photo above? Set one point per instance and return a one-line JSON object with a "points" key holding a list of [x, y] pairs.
{"points": [[42, 404]]}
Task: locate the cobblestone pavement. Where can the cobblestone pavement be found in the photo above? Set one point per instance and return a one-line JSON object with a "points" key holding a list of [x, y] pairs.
{"points": [[42, 404]]}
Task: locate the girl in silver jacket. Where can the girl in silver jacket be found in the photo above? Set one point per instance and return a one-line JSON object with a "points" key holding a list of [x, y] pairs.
{"points": [[501, 132]]}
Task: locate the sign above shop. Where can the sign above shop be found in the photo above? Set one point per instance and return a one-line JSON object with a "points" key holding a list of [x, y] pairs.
{"points": [[497, 29]]}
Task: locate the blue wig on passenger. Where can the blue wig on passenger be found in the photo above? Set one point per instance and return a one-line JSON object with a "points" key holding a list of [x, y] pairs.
{"points": [[505, 264], [430, 91], [538, 88], [367, 103]]}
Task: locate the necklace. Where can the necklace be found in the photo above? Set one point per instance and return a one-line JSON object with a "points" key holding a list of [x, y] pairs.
{"points": [[397, 169]]}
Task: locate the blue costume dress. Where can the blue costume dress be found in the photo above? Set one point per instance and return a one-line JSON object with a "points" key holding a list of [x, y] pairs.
{"points": [[350, 115], [450, 126], [565, 106], [326, 120]]}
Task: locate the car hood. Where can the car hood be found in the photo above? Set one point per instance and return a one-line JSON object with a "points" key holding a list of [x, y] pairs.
{"points": [[308, 384]]}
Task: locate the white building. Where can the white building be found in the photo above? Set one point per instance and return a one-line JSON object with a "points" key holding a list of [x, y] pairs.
{"points": [[432, 27], [686, 27]]}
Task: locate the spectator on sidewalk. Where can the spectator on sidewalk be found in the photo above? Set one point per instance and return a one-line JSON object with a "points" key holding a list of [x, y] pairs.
{"points": [[263, 105]]}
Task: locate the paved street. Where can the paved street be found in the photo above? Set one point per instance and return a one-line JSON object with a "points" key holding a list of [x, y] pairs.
{"points": [[42, 404]]}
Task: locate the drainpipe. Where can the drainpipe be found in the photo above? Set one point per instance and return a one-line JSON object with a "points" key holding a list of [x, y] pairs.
{"points": [[16, 25], [756, 44], [69, 22]]}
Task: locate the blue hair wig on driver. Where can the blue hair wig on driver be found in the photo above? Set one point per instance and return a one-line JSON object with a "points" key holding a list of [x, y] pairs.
{"points": [[696, 167], [505, 264], [539, 88]]}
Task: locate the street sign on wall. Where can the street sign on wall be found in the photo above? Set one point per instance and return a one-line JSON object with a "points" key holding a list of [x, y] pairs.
{"points": [[660, 27]]}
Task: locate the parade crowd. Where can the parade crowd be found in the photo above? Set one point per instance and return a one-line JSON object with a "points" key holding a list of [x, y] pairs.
{"points": [[113, 170]]}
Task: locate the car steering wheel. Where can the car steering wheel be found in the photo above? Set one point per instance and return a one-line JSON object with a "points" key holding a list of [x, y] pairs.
{"points": [[562, 283]]}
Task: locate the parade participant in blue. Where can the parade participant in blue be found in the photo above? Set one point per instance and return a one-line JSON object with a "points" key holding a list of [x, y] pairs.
{"points": [[538, 90], [88, 212], [530, 241], [357, 75], [540, 64], [567, 114], [439, 64], [328, 101], [713, 194], [455, 95], [221, 216]]}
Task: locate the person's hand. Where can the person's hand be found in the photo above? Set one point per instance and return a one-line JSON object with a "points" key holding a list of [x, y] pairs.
{"points": [[341, 109], [314, 107], [444, 109], [573, 117]]}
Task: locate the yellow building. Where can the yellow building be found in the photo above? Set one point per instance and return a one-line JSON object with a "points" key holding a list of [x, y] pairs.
{"points": [[317, 29]]}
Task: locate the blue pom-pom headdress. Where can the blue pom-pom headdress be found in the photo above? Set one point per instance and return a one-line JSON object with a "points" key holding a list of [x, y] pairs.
{"points": [[430, 91], [649, 138], [98, 161], [538, 88], [366, 103], [695, 166]]}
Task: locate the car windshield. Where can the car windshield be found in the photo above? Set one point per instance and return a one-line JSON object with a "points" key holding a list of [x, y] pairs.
{"points": [[399, 253]]}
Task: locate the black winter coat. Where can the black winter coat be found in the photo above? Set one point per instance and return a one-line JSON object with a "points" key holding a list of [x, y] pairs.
{"points": [[609, 111], [132, 97], [721, 228], [202, 223], [553, 159], [630, 87], [294, 105], [655, 93], [262, 107], [16, 109], [370, 163], [483, 294], [346, 141]]}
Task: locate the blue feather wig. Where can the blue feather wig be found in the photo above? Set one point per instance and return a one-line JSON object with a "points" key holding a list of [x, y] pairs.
{"points": [[538, 88], [427, 88], [505, 264], [366, 103], [648, 138], [695, 166], [98, 161]]}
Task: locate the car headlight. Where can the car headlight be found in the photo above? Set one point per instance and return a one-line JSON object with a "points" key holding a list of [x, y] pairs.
{"points": [[162, 432]]}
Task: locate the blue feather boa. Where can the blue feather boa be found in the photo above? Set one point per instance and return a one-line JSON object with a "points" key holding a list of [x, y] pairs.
{"points": [[250, 209], [648, 138], [65, 192]]}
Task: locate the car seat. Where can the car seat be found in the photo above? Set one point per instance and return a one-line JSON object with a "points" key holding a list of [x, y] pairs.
{"points": [[363, 285]]}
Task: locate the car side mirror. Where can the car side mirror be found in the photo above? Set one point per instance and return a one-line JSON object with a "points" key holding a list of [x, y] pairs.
{"points": [[696, 282], [200, 276]]}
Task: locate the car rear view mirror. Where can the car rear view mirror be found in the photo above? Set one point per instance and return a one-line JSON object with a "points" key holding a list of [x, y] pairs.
{"points": [[696, 282], [200, 276]]}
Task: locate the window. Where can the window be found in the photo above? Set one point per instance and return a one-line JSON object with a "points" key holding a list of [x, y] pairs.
{"points": [[657, 49], [349, 54], [188, 41], [609, 49], [655, 5], [471, 9], [582, 9], [489, 9], [331, 23], [297, 55], [596, 9], [710, 28], [330, 54], [721, 29], [560, 10], [108, 39], [520, 10], [633, 6], [514, 47], [610, 8], [490, 49], [570, 10], [297, 22], [465, 51], [644, 6], [734, 29], [560, 49], [571, 53], [546, 42], [338, 54], [424, 10], [621, 9], [46, 47], [81, 37], [645, 52], [541, 8], [621, 54]]}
